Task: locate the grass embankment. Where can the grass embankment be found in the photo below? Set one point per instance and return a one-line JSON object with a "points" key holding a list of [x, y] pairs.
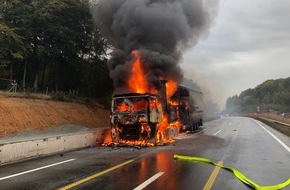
{"points": [[282, 128], [20, 112]]}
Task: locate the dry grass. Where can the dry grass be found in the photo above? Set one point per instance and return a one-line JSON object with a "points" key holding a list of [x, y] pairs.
{"points": [[276, 117]]}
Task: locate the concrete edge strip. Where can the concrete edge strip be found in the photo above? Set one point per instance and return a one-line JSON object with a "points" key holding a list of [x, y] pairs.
{"points": [[51, 136], [32, 151]]}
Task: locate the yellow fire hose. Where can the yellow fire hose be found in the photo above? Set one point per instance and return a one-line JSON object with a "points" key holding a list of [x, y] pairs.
{"points": [[237, 173]]}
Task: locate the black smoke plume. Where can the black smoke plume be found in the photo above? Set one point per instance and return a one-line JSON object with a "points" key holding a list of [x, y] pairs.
{"points": [[159, 29]]}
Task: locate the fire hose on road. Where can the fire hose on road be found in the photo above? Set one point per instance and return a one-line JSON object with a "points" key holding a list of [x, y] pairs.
{"points": [[237, 173]]}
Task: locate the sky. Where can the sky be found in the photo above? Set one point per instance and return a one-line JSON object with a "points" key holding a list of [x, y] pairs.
{"points": [[248, 43]]}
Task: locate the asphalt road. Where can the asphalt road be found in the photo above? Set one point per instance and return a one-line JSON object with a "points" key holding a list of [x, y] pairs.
{"points": [[255, 149]]}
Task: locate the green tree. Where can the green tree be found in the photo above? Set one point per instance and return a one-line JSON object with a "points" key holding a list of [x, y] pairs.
{"points": [[53, 44], [270, 95], [11, 49]]}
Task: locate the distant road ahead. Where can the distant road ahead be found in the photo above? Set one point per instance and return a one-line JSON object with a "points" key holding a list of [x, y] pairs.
{"points": [[258, 151]]}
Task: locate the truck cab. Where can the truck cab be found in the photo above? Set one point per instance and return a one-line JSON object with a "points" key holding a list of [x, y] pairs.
{"points": [[135, 116]]}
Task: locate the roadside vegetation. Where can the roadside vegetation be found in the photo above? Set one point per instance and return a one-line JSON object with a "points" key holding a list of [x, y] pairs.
{"points": [[272, 96], [277, 117], [282, 128], [269, 100], [53, 47]]}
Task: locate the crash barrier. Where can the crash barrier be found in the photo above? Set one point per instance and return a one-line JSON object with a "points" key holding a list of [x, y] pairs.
{"points": [[237, 173], [22, 150], [274, 121]]}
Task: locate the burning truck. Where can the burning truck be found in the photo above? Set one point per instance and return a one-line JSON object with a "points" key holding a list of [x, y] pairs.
{"points": [[149, 117], [148, 39]]}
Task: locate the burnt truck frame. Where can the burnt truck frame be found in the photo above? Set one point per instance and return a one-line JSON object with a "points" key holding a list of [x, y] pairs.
{"points": [[129, 121], [136, 123]]}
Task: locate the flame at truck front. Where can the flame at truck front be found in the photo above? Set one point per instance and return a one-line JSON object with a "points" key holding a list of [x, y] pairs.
{"points": [[145, 114], [137, 82], [140, 115]]}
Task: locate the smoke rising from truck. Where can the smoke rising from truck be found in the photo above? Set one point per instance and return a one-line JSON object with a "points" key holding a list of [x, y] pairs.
{"points": [[159, 29]]}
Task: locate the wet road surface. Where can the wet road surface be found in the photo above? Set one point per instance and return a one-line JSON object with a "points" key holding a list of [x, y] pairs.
{"points": [[242, 143]]}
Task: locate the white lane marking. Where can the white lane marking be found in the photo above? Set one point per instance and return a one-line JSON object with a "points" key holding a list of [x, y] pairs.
{"points": [[36, 169], [276, 138], [148, 181], [217, 133], [188, 136]]}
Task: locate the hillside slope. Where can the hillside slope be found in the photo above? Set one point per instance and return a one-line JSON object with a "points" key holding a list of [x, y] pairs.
{"points": [[271, 95], [18, 114]]}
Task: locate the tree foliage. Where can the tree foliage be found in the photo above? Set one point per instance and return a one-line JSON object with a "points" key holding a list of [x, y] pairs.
{"points": [[269, 96], [11, 48], [53, 45]]}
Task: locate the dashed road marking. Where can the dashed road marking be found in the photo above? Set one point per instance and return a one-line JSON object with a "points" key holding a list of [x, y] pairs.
{"points": [[148, 181], [217, 133]]}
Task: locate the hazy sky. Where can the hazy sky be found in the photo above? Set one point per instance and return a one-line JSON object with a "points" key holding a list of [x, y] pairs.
{"points": [[248, 43]]}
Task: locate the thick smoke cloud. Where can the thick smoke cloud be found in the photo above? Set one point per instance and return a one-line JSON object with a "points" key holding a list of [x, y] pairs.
{"points": [[159, 29]]}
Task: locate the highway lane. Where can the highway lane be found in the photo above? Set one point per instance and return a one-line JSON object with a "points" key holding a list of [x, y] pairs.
{"points": [[237, 142]]}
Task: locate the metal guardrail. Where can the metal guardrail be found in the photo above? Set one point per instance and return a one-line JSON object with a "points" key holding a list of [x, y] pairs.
{"points": [[274, 121]]}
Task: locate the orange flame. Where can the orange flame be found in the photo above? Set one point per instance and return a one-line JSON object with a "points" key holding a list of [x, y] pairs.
{"points": [[160, 135], [174, 103], [171, 87], [107, 137], [137, 82], [123, 107], [140, 105]]}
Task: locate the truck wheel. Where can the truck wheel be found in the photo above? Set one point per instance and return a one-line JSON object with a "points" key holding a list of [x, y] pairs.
{"points": [[200, 123], [194, 126]]}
